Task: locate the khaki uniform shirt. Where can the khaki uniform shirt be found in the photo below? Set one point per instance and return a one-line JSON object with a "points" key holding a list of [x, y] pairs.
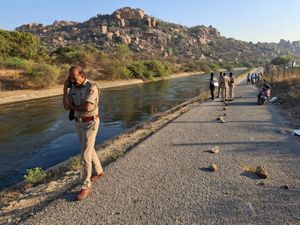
{"points": [[87, 92], [224, 82], [220, 80], [226, 79]]}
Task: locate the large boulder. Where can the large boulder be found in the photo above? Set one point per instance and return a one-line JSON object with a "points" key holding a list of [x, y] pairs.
{"points": [[285, 44], [202, 32], [153, 22], [110, 35], [129, 14], [125, 39], [31, 27], [117, 33], [296, 44], [126, 17], [103, 29], [203, 40]]}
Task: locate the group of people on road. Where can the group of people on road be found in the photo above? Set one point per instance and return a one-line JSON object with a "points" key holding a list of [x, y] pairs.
{"points": [[253, 78], [224, 85]]}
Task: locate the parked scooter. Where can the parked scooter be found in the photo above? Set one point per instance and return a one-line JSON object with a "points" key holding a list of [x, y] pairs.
{"points": [[264, 94]]}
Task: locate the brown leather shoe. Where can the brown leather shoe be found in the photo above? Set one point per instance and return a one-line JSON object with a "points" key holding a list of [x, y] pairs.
{"points": [[84, 193], [96, 177]]}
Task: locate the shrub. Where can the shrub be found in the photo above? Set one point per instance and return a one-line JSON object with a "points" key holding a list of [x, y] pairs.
{"points": [[35, 176], [157, 68], [137, 69], [228, 66], [17, 63], [213, 44], [249, 65], [214, 66], [169, 51], [115, 70], [189, 67], [63, 72], [74, 164], [18, 44], [205, 67], [200, 65], [1, 61], [43, 75], [149, 69], [70, 56]]}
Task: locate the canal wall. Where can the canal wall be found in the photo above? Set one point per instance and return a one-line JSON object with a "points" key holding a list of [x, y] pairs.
{"points": [[7, 97]]}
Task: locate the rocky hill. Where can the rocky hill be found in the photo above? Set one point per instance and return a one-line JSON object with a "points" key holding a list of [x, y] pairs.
{"points": [[150, 36]]}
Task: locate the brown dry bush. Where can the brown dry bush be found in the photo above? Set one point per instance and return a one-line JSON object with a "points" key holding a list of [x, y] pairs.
{"points": [[287, 89]]}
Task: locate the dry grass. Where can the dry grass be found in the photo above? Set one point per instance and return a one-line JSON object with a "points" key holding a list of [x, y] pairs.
{"points": [[74, 164], [11, 79], [287, 89], [8, 196]]}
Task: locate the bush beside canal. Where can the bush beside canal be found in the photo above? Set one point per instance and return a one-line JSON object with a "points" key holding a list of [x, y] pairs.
{"points": [[38, 66]]}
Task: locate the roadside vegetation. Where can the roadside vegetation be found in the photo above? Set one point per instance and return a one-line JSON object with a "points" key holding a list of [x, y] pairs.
{"points": [[37, 65], [285, 81], [34, 176]]}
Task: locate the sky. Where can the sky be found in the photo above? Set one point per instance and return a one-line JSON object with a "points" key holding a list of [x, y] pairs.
{"points": [[247, 20]]}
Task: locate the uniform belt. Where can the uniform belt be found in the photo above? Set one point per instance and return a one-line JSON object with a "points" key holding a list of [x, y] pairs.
{"points": [[86, 118]]}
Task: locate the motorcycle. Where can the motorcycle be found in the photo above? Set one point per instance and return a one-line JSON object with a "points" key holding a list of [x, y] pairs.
{"points": [[264, 94]]}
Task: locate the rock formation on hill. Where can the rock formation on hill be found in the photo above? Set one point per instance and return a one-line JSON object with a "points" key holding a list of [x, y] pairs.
{"points": [[148, 35]]}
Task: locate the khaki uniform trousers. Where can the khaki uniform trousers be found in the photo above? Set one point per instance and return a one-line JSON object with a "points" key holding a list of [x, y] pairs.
{"points": [[224, 93], [219, 89], [87, 132], [231, 92]]}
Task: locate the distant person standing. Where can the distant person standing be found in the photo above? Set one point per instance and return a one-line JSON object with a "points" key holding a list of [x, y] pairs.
{"points": [[213, 83], [231, 86], [249, 78], [224, 87], [258, 77], [252, 78], [219, 81]]}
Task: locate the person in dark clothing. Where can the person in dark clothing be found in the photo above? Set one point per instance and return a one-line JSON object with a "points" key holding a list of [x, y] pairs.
{"points": [[213, 83], [219, 81]]}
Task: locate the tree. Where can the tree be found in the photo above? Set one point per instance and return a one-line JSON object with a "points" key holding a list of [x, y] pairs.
{"points": [[281, 61], [18, 44]]}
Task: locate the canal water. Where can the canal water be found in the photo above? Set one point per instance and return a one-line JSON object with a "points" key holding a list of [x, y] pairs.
{"points": [[38, 133]]}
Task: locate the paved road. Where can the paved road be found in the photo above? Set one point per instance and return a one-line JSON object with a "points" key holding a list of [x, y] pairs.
{"points": [[164, 179]]}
